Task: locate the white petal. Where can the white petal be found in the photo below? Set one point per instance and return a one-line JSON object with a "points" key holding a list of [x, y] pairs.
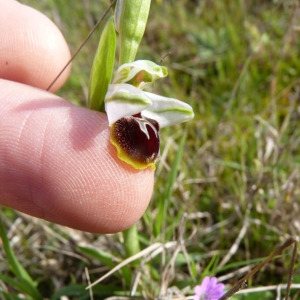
{"points": [[124, 100], [167, 111], [140, 72]]}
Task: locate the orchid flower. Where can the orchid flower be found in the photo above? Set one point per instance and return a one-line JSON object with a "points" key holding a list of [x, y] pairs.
{"points": [[135, 116]]}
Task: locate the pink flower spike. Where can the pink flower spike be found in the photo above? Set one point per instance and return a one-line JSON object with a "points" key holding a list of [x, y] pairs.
{"points": [[209, 289]]}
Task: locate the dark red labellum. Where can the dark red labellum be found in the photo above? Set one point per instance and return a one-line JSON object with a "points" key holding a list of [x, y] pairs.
{"points": [[138, 137]]}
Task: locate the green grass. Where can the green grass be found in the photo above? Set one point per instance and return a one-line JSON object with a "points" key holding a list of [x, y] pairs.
{"points": [[238, 64]]}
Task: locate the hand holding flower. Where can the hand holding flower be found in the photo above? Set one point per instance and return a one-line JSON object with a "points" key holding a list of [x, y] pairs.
{"points": [[56, 160]]}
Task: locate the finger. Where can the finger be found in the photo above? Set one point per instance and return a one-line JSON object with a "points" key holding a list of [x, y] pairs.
{"points": [[32, 49], [56, 163]]}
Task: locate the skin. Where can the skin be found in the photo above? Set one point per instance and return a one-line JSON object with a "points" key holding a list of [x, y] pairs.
{"points": [[56, 160]]}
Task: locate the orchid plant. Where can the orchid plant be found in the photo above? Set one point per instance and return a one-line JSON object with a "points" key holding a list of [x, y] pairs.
{"points": [[135, 116]]}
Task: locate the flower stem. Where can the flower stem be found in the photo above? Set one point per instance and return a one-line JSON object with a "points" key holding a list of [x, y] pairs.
{"points": [[131, 241]]}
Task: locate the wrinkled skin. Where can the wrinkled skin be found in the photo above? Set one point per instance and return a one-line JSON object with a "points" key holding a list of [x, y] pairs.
{"points": [[56, 161]]}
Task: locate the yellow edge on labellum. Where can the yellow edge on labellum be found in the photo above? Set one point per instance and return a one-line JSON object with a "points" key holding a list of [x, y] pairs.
{"points": [[136, 139], [123, 155]]}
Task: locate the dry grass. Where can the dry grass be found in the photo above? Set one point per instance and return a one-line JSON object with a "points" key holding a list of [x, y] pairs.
{"points": [[236, 195]]}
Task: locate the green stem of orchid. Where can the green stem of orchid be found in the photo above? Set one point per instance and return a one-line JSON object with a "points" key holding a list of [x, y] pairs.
{"points": [[131, 241], [130, 20]]}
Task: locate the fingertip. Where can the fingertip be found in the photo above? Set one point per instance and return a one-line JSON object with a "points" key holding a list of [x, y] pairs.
{"points": [[33, 50]]}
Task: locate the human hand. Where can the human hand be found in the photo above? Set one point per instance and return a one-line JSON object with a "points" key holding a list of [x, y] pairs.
{"points": [[56, 161]]}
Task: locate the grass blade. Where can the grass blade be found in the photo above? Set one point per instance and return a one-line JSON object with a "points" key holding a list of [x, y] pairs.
{"points": [[27, 285]]}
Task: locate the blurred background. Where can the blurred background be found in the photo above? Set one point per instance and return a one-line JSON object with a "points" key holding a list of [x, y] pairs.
{"points": [[225, 196]]}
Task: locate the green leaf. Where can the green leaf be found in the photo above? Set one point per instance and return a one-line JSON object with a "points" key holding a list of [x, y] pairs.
{"points": [[78, 290], [20, 285], [105, 257], [131, 20], [171, 179], [26, 284], [102, 69]]}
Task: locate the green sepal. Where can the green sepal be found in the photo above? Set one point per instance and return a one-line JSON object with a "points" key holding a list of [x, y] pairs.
{"points": [[131, 20], [140, 73], [102, 68]]}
